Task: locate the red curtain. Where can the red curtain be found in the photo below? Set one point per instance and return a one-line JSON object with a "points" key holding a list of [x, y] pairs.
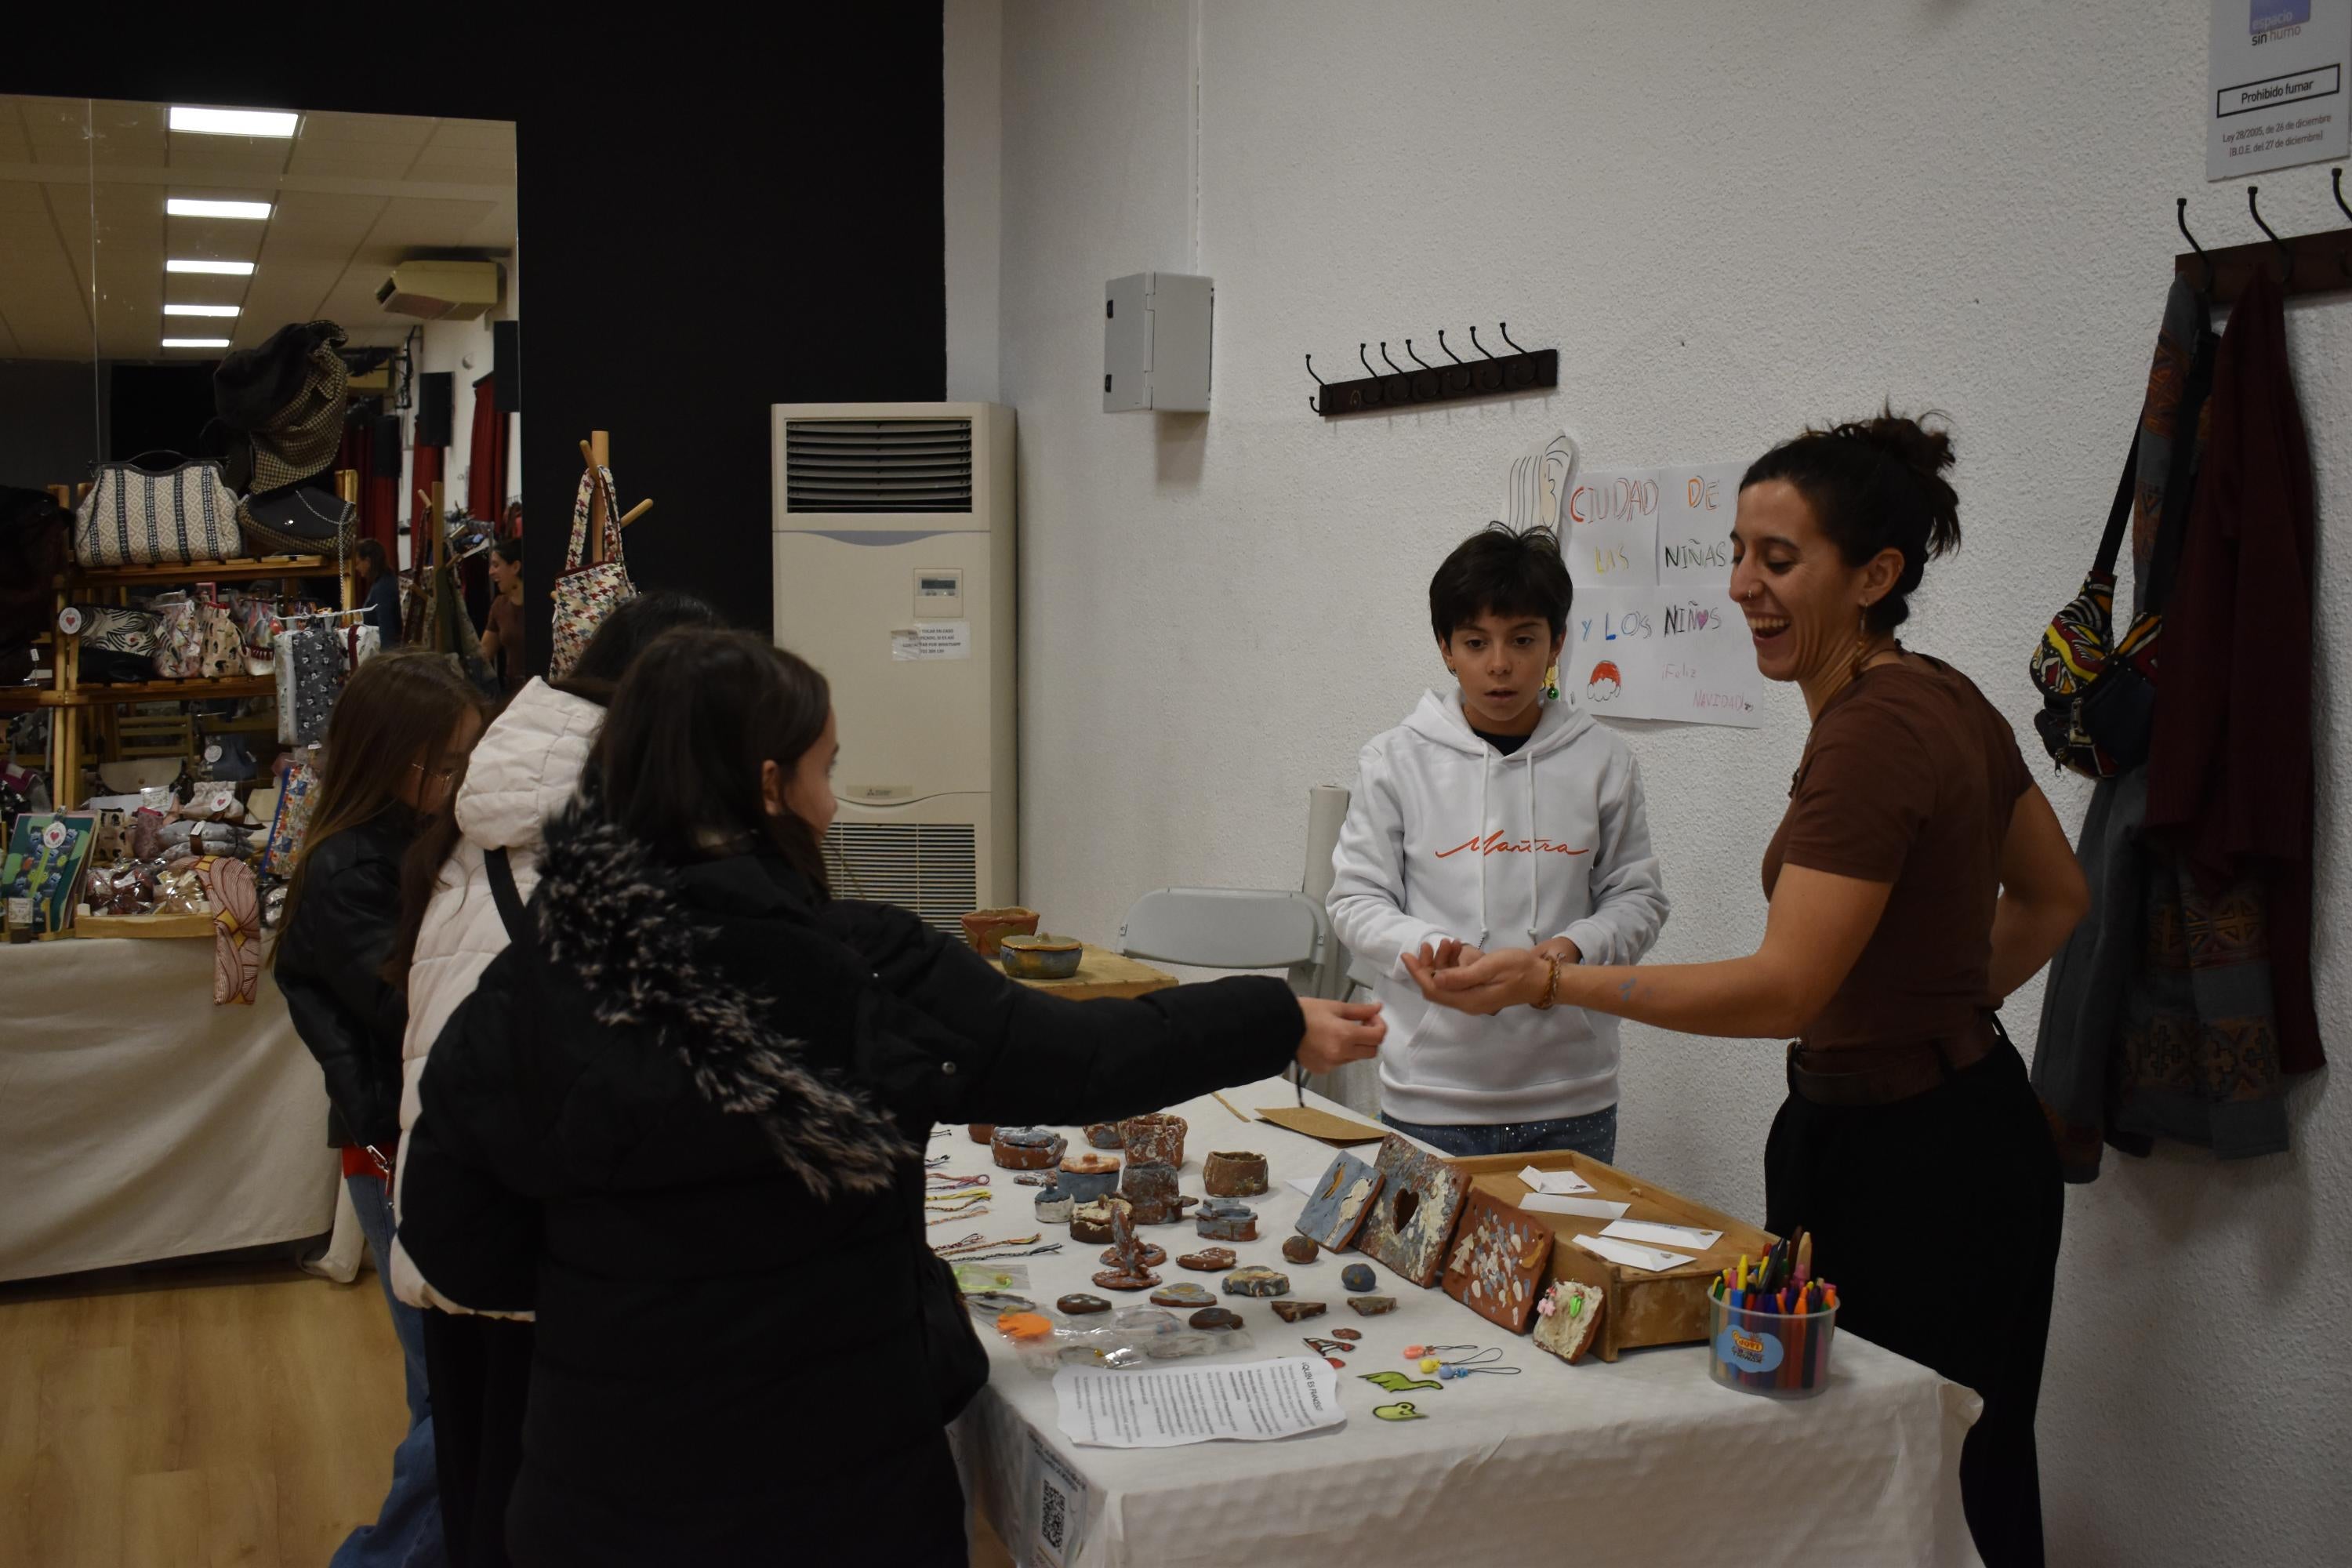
{"points": [[486, 474], [378, 491]]}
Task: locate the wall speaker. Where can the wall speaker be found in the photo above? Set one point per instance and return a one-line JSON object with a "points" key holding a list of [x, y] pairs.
{"points": [[386, 434], [505, 364], [436, 397]]}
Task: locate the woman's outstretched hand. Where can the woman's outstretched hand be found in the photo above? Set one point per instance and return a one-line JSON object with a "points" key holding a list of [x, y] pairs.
{"points": [[1338, 1033], [1468, 981]]}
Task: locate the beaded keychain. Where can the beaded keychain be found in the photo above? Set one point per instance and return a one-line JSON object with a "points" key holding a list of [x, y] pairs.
{"points": [[1451, 1367], [974, 1248]]}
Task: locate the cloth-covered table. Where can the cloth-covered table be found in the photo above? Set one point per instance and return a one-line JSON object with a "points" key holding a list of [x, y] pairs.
{"points": [[140, 1122], [1645, 1460]]}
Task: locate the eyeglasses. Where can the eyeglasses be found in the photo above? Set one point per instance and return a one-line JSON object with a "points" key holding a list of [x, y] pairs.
{"points": [[436, 776]]}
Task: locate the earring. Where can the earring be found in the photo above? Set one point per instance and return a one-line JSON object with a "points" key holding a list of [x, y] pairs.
{"points": [[1861, 649], [1551, 683]]}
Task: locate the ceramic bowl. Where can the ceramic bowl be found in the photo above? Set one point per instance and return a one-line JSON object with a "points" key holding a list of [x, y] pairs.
{"points": [[1042, 957], [987, 929]]}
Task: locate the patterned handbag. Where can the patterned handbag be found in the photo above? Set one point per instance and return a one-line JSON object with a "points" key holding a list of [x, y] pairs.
{"points": [[176, 517], [118, 643], [179, 638], [236, 929], [584, 595], [292, 822], [224, 643]]}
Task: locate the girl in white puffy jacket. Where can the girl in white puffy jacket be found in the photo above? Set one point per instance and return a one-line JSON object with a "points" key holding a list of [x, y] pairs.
{"points": [[527, 767]]}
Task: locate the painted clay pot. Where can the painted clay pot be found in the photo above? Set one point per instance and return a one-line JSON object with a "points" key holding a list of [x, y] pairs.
{"points": [[1089, 1176], [1092, 1222], [1152, 1188], [1041, 957], [1227, 1219], [987, 929], [1055, 1206], [1156, 1140], [1104, 1135], [1233, 1175], [981, 1131], [1027, 1148]]}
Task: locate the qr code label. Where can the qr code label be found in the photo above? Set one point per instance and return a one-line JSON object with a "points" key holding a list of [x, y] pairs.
{"points": [[1057, 1510], [1056, 1521]]}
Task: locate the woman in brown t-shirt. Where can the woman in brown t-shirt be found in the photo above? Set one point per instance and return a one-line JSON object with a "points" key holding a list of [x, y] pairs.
{"points": [[1918, 878], [502, 639]]}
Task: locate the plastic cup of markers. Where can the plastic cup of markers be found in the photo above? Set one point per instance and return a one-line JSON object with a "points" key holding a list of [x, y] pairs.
{"points": [[1780, 1355]]}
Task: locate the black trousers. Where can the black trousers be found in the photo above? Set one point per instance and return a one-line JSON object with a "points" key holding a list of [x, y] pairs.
{"points": [[1937, 1218], [478, 1370]]}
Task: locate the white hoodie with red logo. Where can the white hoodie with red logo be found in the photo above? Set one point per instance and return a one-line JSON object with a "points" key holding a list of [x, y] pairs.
{"points": [[1445, 837]]}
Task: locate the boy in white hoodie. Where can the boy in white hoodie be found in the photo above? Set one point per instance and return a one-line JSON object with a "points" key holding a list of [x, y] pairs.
{"points": [[1494, 815]]}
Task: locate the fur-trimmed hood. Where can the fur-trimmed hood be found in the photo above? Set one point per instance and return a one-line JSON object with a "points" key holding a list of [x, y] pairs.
{"points": [[615, 919]]}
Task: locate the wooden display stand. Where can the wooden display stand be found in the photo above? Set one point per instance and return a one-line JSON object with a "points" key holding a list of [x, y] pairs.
{"points": [[72, 704], [1102, 974], [1644, 1308]]}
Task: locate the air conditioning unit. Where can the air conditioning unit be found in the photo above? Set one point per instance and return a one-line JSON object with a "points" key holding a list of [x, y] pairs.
{"points": [[893, 576], [441, 291]]}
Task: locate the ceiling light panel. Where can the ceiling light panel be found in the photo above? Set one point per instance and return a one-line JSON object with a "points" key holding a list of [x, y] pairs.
{"points": [[234, 121], [193, 206]]}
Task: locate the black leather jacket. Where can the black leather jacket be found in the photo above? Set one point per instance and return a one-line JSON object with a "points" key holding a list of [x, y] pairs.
{"points": [[330, 959]]}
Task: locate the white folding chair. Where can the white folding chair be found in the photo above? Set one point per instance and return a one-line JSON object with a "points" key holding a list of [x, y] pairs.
{"points": [[1230, 928]]}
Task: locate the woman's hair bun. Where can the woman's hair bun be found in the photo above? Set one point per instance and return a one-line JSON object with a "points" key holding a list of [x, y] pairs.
{"points": [[1926, 451]]}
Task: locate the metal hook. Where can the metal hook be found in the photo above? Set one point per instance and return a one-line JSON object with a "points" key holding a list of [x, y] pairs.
{"points": [[1504, 328], [1368, 364], [2180, 216], [1476, 345], [1448, 353], [1416, 358], [2287, 257], [1392, 363], [1314, 402]]}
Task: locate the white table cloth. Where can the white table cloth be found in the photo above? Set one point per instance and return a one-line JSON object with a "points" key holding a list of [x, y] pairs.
{"points": [[140, 1122], [1643, 1461]]}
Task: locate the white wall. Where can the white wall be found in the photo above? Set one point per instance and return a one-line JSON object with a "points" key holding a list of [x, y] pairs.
{"points": [[972, 42], [1731, 220]]}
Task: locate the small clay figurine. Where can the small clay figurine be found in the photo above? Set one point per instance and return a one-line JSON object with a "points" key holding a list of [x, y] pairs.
{"points": [[1209, 1260], [1296, 1312], [1568, 1319], [1233, 1175], [1227, 1219], [1130, 1272], [1153, 1256], [1372, 1306], [1358, 1276], [1216, 1318], [1079, 1304], [1257, 1281], [1301, 1249], [1091, 1222]]}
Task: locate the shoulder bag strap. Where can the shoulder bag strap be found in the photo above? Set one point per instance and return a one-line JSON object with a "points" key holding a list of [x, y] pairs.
{"points": [[2119, 513], [2180, 477], [507, 896], [578, 549]]}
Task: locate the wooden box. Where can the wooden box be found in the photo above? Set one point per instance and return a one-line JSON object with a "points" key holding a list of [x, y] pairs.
{"points": [[1645, 1309]]}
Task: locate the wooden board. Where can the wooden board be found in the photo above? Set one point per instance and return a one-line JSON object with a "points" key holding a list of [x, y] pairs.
{"points": [[1324, 1127], [238, 569], [1497, 1266], [1411, 1223], [149, 926], [1645, 1309], [1102, 974]]}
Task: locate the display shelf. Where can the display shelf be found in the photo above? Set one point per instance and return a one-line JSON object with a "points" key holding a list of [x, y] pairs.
{"points": [[145, 927], [24, 699], [203, 571]]}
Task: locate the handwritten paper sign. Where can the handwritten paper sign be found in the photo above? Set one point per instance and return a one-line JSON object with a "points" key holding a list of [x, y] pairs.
{"points": [[1654, 634]]}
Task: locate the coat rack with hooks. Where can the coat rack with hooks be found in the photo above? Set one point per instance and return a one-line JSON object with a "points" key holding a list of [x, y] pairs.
{"points": [[2318, 263], [1406, 386]]}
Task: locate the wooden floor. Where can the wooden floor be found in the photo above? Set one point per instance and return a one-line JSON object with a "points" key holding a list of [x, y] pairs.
{"points": [[202, 1417], [207, 1416]]}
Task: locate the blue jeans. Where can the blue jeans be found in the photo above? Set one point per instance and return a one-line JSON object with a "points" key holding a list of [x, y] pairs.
{"points": [[1593, 1136], [407, 1530]]}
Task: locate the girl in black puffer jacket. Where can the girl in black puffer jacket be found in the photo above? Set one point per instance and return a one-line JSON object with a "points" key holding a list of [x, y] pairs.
{"points": [[713, 1083], [395, 745]]}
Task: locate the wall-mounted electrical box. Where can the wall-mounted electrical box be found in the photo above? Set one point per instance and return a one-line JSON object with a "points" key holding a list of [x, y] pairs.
{"points": [[1156, 342]]}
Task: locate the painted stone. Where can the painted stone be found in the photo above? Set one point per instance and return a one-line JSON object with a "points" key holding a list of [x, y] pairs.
{"points": [[1089, 1176], [1359, 1276], [1150, 1186], [1092, 1222], [1026, 1148], [1498, 1261], [1233, 1175], [1342, 1198], [1209, 1260], [1104, 1136], [1055, 1207], [1257, 1281], [1078, 1304], [1119, 1279], [1351, 1335], [1328, 1347], [1226, 1220], [1413, 1221], [1298, 1311], [1183, 1293], [1301, 1249], [1568, 1319], [1152, 1256], [1335, 1363], [1157, 1139], [1216, 1318], [1372, 1306]]}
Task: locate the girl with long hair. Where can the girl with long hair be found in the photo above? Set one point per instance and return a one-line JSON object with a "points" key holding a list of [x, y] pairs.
{"points": [[396, 747]]}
